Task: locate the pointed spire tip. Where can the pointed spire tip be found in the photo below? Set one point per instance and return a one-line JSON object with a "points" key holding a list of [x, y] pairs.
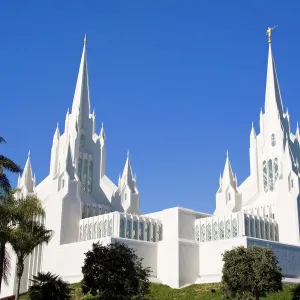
{"points": [[84, 40]]}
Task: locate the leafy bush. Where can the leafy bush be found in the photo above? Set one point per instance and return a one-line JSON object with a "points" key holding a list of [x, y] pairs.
{"points": [[296, 292], [114, 272], [250, 273], [47, 286]]}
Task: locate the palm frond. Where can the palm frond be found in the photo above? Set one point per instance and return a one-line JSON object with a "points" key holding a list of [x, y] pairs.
{"points": [[6, 267], [2, 140], [9, 165], [4, 183], [29, 207]]}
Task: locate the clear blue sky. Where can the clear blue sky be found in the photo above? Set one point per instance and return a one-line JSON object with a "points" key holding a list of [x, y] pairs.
{"points": [[176, 82]]}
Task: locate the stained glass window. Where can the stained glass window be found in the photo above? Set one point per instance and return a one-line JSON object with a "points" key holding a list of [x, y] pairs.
{"points": [[222, 231], [128, 229], [228, 231], [215, 230], [84, 181], [90, 181], [208, 232], [234, 228], [122, 228], [197, 233], [141, 231], [79, 169], [135, 230], [265, 171], [202, 233], [271, 183]]}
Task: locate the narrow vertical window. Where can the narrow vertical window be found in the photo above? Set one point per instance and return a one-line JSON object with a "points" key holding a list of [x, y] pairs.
{"points": [[197, 233], [100, 230], [135, 230], [222, 231], [208, 232], [110, 228], [215, 231], [265, 176], [276, 169], [82, 140], [228, 231], [160, 232], [79, 169], [148, 231], [122, 228], [90, 181], [273, 141], [128, 229], [84, 181], [153, 239], [105, 228], [202, 233], [234, 228], [141, 231], [271, 183]]}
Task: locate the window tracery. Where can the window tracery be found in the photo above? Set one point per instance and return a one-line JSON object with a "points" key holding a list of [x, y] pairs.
{"points": [[271, 183], [160, 232], [208, 232], [85, 233], [265, 175], [105, 228], [153, 239], [197, 233], [95, 230], [90, 232], [141, 231], [234, 228], [122, 228], [82, 140], [228, 231], [222, 230], [79, 169], [128, 229], [215, 230], [202, 233], [80, 234], [110, 227], [276, 168], [100, 230], [84, 181], [273, 141]]}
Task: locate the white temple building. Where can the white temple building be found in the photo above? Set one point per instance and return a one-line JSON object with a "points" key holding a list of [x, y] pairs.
{"points": [[180, 245]]}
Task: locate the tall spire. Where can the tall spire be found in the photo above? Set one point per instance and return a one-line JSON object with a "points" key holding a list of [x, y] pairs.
{"points": [[228, 178], [81, 101], [27, 179], [127, 176], [273, 102]]}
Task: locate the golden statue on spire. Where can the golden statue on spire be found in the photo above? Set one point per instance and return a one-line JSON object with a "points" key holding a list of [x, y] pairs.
{"points": [[269, 33]]}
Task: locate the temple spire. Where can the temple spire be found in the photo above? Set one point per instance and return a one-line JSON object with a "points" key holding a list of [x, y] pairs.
{"points": [[228, 178], [273, 102], [81, 101], [27, 178], [127, 176]]}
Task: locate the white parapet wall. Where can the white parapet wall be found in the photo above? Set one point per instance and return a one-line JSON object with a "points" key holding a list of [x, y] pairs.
{"points": [[116, 224], [235, 225]]}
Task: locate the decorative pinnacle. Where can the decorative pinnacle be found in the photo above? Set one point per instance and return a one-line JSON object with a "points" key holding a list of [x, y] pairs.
{"points": [[227, 153], [29, 153], [269, 33], [128, 153], [84, 40]]}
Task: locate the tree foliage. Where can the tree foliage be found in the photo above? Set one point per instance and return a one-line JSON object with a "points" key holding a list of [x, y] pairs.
{"points": [[250, 273], [296, 292], [114, 272], [6, 164], [47, 286]]}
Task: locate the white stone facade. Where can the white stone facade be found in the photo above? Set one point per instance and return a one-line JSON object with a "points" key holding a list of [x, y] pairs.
{"points": [[181, 246]]}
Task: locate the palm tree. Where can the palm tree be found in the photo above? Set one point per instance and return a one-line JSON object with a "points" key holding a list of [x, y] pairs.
{"points": [[6, 164], [48, 286], [12, 213], [23, 239]]}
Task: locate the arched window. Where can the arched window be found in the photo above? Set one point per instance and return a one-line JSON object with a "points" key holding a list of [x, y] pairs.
{"points": [[128, 229], [79, 169], [105, 228], [80, 233], [276, 168], [197, 233], [215, 230], [95, 230], [90, 181], [227, 229], [202, 233], [141, 231], [265, 171], [208, 232], [100, 230], [90, 232], [234, 228], [273, 141], [122, 228], [135, 230], [82, 140], [84, 181], [222, 231], [110, 227], [153, 239], [160, 232], [271, 183]]}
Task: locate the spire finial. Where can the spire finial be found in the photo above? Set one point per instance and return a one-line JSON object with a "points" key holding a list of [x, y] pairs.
{"points": [[227, 153], [269, 33], [128, 153], [84, 40], [29, 153], [252, 125]]}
